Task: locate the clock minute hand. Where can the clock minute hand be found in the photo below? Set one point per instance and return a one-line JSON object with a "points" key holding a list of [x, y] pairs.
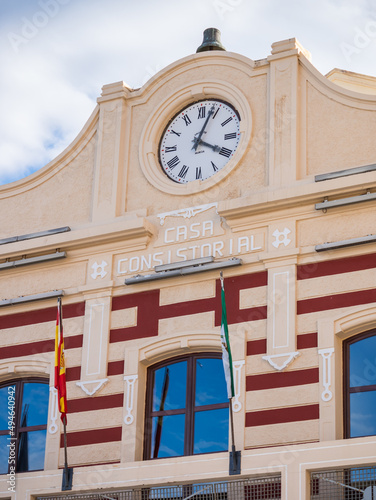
{"points": [[197, 139]]}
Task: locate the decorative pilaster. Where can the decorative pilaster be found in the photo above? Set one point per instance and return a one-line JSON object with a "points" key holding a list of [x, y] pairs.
{"points": [[282, 119], [280, 261], [95, 344]]}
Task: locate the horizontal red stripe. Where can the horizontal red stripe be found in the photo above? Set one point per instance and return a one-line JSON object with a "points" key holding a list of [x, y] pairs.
{"points": [[282, 379], [187, 308], [41, 315], [306, 340], [282, 415], [336, 301], [244, 315], [259, 346], [337, 266], [38, 347], [82, 438], [253, 280], [73, 373], [97, 403], [135, 299], [132, 333], [256, 347], [115, 368]]}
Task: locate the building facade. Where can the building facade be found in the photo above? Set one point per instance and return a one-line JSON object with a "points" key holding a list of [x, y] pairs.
{"points": [[263, 170]]}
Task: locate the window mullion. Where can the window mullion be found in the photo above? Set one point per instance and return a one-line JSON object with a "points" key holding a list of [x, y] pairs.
{"points": [[18, 408], [189, 415]]}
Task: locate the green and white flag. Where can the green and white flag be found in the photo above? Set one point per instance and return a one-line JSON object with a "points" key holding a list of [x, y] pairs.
{"points": [[226, 350]]}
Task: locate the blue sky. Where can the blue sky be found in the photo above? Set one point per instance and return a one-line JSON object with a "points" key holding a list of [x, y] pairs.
{"points": [[57, 54]]}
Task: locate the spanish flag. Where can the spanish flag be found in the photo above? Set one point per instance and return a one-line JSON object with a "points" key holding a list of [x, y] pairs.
{"points": [[60, 381]]}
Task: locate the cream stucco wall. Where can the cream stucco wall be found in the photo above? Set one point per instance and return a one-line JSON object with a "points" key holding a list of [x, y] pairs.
{"points": [[126, 217]]}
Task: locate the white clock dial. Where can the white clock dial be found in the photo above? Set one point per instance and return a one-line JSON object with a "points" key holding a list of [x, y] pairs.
{"points": [[199, 141]]}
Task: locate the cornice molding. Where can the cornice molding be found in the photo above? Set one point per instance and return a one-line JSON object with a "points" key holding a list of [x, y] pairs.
{"points": [[134, 232], [303, 193]]}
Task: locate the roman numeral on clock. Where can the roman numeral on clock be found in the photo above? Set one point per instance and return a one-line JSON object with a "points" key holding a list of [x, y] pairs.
{"points": [[225, 152], [201, 112], [186, 119], [169, 149], [183, 172], [176, 133], [173, 162], [226, 121], [198, 173], [230, 136], [215, 168]]}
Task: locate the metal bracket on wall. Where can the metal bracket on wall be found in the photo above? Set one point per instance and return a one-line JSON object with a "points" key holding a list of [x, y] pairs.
{"points": [[345, 201], [183, 268]]}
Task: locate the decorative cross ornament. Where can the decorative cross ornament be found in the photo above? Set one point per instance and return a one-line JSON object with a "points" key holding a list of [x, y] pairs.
{"points": [[281, 237], [98, 270]]}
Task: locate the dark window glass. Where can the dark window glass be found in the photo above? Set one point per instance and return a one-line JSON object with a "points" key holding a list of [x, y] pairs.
{"points": [[186, 407], [23, 424], [360, 385]]}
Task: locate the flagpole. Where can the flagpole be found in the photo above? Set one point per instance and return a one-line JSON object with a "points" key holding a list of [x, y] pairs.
{"points": [[65, 482], [235, 456], [68, 472]]}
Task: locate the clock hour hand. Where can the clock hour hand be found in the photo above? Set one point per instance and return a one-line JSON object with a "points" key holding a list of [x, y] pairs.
{"points": [[196, 140], [212, 146]]}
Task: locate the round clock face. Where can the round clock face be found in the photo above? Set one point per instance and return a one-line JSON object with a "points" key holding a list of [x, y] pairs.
{"points": [[199, 141]]}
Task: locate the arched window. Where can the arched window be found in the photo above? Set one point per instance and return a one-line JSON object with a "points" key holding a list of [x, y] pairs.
{"points": [[23, 424], [360, 385], [186, 407]]}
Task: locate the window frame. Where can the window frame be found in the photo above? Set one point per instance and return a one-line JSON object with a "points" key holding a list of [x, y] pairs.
{"points": [[190, 409], [347, 390], [18, 430]]}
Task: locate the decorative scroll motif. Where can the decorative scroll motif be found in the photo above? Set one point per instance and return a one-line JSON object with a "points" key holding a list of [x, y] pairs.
{"points": [[98, 269], [237, 367], [187, 213], [280, 361], [281, 237], [326, 354], [53, 411], [130, 379], [96, 385]]}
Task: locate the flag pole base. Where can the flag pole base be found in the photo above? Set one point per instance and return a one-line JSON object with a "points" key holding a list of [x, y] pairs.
{"points": [[67, 479], [235, 462]]}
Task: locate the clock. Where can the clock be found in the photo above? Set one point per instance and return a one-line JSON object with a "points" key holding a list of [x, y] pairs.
{"points": [[199, 141]]}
